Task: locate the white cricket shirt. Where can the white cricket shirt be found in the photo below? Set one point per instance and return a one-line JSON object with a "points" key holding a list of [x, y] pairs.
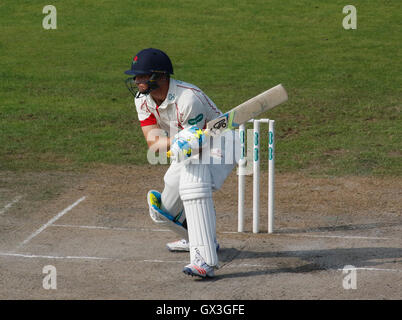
{"points": [[185, 105]]}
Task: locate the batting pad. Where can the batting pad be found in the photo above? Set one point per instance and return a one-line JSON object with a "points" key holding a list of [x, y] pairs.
{"points": [[159, 216], [196, 194]]}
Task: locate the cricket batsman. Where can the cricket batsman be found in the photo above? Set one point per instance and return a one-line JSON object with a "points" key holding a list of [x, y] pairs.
{"points": [[181, 111]]}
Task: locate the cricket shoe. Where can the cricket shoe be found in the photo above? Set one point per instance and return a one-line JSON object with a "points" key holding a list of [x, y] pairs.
{"points": [[178, 246], [183, 246], [199, 268]]}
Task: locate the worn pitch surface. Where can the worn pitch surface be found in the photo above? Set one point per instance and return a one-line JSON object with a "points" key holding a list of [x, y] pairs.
{"points": [[95, 230]]}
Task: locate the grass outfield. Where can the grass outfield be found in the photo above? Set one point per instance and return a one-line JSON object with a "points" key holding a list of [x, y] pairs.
{"points": [[64, 105]]}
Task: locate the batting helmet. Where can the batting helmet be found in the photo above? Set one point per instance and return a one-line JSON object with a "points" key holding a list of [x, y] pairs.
{"points": [[148, 61]]}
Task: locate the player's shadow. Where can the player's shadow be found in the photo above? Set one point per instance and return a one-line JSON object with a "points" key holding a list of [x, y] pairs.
{"points": [[308, 260]]}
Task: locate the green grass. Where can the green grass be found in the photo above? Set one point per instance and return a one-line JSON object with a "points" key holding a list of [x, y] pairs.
{"points": [[63, 103]]}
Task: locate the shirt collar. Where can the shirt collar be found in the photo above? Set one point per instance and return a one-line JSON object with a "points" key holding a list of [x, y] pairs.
{"points": [[171, 95]]}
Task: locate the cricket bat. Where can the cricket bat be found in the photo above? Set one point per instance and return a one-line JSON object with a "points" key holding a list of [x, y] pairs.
{"points": [[249, 109]]}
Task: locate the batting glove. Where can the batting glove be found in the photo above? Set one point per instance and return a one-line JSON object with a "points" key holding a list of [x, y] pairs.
{"points": [[186, 143]]}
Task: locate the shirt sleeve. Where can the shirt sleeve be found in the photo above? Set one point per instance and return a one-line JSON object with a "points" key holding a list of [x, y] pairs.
{"points": [[145, 116]]}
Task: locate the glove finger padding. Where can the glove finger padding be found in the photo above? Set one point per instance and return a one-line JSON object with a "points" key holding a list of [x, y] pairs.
{"points": [[187, 143]]}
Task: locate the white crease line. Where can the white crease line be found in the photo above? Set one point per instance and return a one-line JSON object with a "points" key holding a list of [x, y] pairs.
{"points": [[35, 256], [247, 265], [9, 205], [340, 237], [163, 261], [19, 255], [223, 232], [240, 265], [58, 216], [108, 228], [320, 236], [370, 269]]}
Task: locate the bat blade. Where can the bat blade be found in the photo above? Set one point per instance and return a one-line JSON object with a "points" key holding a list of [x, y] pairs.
{"points": [[249, 109]]}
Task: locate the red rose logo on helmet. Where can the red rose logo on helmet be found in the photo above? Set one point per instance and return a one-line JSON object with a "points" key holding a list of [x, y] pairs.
{"points": [[135, 59]]}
